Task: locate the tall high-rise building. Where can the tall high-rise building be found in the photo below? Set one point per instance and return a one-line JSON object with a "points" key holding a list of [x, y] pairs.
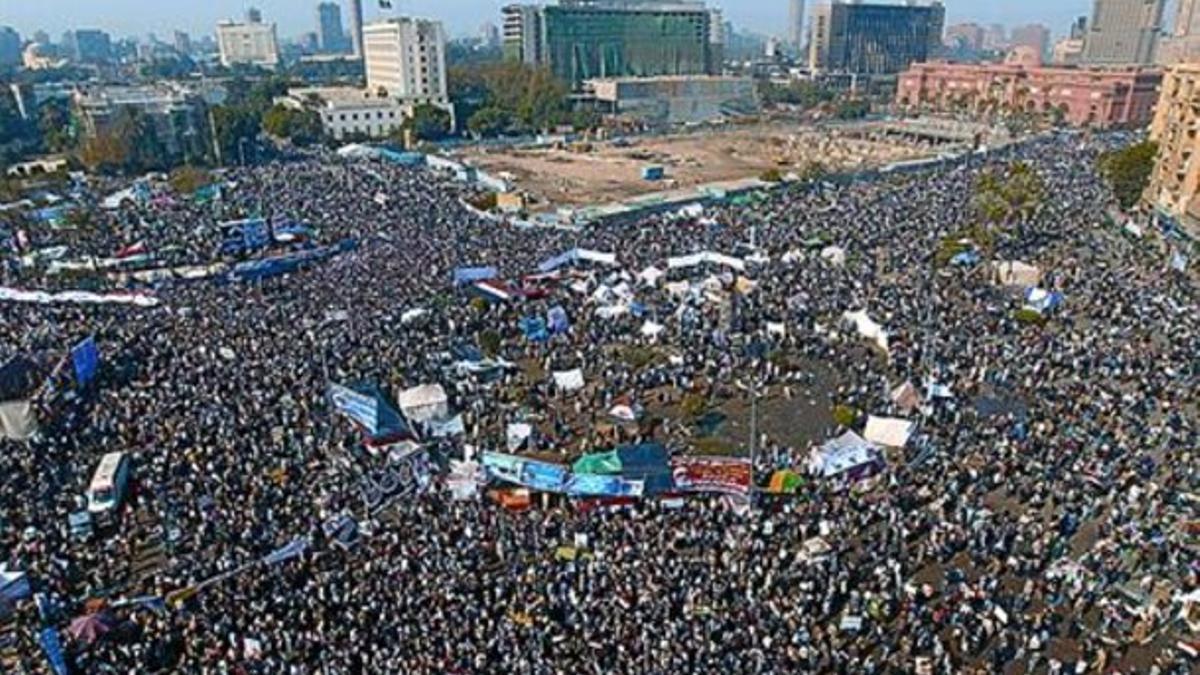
{"points": [[489, 35], [1187, 19], [356, 27], [10, 46], [183, 42], [523, 34], [330, 35], [1123, 32], [88, 45], [42, 38], [995, 37], [406, 57], [1183, 43], [254, 44], [1079, 28], [873, 39], [1035, 36], [796, 24], [585, 39]]}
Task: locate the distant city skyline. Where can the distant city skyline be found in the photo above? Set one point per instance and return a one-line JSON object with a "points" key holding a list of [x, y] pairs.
{"points": [[461, 17]]}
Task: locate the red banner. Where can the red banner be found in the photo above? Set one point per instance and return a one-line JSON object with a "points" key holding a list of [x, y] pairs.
{"points": [[712, 474]]}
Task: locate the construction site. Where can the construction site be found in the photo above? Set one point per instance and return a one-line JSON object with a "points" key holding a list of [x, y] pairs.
{"points": [[588, 173]]}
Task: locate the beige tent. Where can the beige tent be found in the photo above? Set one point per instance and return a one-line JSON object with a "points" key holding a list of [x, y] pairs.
{"points": [[1016, 273], [888, 431]]}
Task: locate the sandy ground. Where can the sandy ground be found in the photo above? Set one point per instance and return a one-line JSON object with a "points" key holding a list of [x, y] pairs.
{"points": [[597, 173]]}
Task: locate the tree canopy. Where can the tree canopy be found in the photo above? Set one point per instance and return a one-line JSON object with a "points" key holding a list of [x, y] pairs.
{"points": [[1128, 171], [498, 98]]}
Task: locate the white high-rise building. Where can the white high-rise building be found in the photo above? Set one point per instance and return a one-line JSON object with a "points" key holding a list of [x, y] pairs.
{"points": [[406, 57], [796, 24], [252, 44]]}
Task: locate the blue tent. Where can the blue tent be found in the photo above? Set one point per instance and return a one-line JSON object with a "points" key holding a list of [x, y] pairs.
{"points": [[649, 463]]}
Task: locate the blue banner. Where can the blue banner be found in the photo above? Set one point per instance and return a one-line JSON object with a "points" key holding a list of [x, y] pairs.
{"points": [[526, 472], [469, 275], [86, 358], [52, 646], [557, 318], [590, 485], [361, 408]]}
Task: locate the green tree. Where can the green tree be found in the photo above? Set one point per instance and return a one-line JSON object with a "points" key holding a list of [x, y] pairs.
{"points": [[54, 124], [1128, 171], [1004, 199], [234, 125], [187, 179], [302, 127], [428, 123], [490, 121]]}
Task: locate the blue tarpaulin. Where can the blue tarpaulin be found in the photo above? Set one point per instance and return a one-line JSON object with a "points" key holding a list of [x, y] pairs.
{"points": [[254, 270], [86, 358], [52, 647], [649, 463], [534, 329], [965, 259], [468, 275]]}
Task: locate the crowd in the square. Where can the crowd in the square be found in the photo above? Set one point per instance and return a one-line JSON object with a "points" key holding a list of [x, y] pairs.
{"points": [[1054, 481]]}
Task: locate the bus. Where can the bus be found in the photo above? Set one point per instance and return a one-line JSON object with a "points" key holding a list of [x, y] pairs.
{"points": [[109, 483]]}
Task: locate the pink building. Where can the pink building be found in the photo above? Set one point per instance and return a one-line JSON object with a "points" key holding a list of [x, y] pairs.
{"points": [[1102, 98]]}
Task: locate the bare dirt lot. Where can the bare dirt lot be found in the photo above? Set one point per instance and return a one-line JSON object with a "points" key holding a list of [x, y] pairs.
{"points": [[597, 173]]}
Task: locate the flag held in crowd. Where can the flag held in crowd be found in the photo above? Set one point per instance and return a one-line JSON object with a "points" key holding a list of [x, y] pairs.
{"points": [[86, 359]]}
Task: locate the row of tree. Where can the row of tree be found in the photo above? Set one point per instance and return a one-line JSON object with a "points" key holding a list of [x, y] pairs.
{"points": [[494, 99]]}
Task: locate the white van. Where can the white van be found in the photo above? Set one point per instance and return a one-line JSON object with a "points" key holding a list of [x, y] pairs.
{"points": [[109, 483]]}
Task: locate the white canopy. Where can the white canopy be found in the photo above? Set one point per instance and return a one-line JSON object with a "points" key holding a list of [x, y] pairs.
{"points": [[839, 455], [888, 431], [424, 403]]}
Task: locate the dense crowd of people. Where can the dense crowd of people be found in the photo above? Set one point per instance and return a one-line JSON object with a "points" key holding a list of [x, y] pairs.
{"points": [[1049, 488]]}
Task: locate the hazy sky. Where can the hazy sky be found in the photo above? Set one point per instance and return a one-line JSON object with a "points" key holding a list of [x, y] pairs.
{"points": [[138, 17]]}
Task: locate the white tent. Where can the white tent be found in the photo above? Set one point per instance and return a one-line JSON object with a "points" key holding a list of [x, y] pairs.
{"points": [[424, 403], [1016, 273], [569, 380], [888, 431], [844, 453], [834, 255], [868, 329], [906, 397]]}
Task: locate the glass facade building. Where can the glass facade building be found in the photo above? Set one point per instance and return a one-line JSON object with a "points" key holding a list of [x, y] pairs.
{"points": [[581, 41], [873, 39]]}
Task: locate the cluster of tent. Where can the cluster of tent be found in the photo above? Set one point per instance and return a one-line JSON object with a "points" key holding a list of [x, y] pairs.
{"points": [[631, 471]]}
